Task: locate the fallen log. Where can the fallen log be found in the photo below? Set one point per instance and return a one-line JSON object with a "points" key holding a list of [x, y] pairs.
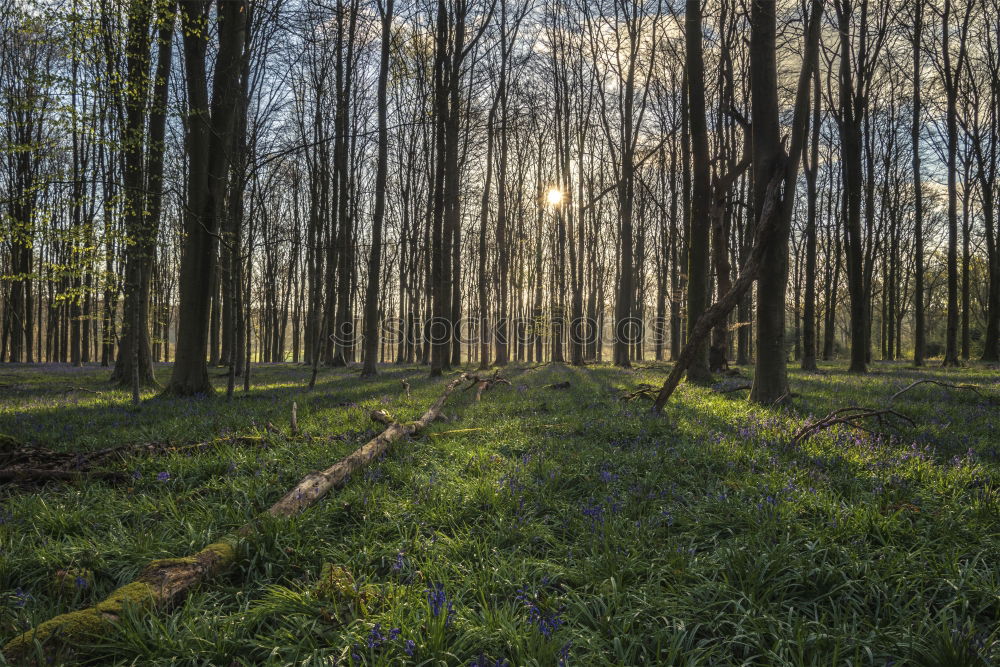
{"points": [[163, 582]]}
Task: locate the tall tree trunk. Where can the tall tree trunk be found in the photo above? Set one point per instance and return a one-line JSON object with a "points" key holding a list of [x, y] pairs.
{"points": [[919, 325], [698, 246], [207, 145], [809, 316], [850, 136], [143, 184], [375, 260]]}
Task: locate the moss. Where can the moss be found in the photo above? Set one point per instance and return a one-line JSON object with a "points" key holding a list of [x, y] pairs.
{"points": [[136, 593], [335, 582], [84, 623], [224, 550], [8, 444], [217, 553], [71, 627], [337, 586], [165, 563], [72, 581]]}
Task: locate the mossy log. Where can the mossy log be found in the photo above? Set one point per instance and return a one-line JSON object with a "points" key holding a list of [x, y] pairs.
{"points": [[165, 581], [160, 584]]}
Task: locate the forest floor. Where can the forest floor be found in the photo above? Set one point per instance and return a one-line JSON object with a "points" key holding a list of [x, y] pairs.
{"points": [[536, 527]]}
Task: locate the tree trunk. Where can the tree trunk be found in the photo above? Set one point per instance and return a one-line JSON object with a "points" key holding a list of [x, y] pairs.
{"points": [[375, 260], [207, 145], [700, 220]]}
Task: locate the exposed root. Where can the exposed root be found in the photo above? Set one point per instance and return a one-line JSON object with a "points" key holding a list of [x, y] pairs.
{"points": [[851, 416]]}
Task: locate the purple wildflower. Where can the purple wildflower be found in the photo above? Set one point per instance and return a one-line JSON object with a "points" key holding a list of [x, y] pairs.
{"points": [[439, 601]]}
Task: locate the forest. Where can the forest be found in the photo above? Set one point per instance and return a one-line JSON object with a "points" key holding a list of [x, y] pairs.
{"points": [[499, 332]]}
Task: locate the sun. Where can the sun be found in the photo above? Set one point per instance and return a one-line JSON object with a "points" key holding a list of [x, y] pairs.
{"points": [[554, 196]]}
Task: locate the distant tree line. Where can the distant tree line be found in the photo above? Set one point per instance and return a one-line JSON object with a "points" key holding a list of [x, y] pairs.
{"points": [[220, 183]]}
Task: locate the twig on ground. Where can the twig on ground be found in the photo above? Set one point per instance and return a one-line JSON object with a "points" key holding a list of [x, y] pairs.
{"points": [[641, 391], [851, 416], [729, 390], [948, 385], [457, 430], [39, 475], [483, 384]]}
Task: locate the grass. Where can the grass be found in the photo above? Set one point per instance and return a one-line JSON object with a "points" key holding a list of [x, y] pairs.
{"points": [[571, 528]]}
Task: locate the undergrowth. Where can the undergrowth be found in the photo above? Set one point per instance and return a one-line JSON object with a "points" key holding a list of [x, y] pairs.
{"points": [[537, 527]]}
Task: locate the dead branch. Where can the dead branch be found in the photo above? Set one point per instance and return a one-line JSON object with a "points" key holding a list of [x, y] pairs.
{"points": [[406, 386], [642, 391], [850, 416], [483, 384], [70, 390], [165, 581], [558, 385], [766, 227], [948, 385], [40, 475], [41, 458], [729, 390], [457, 430]]}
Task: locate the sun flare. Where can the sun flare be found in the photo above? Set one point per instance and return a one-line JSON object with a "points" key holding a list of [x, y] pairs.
{"points": [[554, 196]]}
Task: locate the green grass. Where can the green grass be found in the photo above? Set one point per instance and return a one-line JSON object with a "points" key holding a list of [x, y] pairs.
{"points": [[570, 526]]}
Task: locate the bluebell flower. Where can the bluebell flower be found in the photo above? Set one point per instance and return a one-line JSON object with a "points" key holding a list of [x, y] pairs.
{"points": [[564, 654], [398, 565], [547, 622], [409, 647], [21, 597], [163, 476], [439, 601], [375, 637], [595, 512]]}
